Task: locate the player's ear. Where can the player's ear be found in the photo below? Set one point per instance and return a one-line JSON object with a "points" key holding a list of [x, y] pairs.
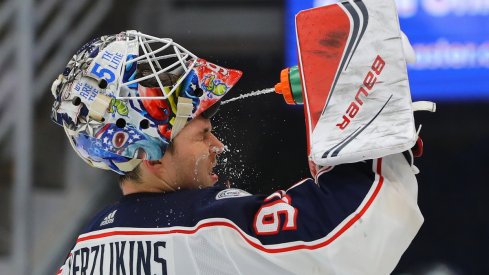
{"points": [[151, 165]]}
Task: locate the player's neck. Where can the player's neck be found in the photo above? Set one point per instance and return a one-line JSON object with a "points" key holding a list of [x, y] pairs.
{"points": [[148, 182]]}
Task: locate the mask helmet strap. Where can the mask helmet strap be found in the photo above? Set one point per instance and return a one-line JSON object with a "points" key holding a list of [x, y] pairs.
{"points": [[184, 112]]}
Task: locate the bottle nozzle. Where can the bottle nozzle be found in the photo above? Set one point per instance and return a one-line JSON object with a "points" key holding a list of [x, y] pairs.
{"points": [[290, 85]]}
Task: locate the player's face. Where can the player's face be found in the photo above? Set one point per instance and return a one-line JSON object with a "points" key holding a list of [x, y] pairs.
{"points": [[194, 155]]}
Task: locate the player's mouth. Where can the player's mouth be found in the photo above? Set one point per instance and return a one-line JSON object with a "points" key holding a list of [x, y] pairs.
{"points": [[213, 175]]}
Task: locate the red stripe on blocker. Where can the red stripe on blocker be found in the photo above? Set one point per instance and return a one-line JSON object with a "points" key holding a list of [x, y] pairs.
{"points": [[247, 238]]}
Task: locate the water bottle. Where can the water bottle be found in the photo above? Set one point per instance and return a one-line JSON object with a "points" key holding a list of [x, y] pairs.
{"points": [[290, 86]]}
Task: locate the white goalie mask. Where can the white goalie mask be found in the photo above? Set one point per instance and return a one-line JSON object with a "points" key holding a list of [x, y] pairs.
{"points": [[122, 98]]}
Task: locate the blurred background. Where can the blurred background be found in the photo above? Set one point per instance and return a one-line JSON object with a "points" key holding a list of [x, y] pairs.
{"points": [[47, 193]]}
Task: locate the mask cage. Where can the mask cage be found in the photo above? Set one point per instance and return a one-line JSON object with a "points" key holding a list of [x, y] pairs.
{"points": [[166, 57]]}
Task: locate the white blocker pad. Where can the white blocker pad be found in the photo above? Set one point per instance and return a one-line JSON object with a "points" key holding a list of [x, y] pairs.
{"points": [[355, 86]]}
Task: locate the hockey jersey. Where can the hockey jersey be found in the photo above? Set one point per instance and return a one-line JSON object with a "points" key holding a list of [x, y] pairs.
{"points": [[351, 219]]}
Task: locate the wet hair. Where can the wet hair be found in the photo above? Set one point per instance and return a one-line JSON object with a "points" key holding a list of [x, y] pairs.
{"points": [[166, 78], [134, 175]]}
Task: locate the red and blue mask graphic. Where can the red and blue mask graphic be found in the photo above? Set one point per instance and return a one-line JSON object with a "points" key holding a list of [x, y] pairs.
{"points": [[137, 119]]}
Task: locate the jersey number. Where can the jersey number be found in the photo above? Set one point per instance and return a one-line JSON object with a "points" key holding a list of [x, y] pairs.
{"points": [[267, 219]]}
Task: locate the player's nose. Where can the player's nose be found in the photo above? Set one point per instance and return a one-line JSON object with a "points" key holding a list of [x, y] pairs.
{"points": [[216, 146]]}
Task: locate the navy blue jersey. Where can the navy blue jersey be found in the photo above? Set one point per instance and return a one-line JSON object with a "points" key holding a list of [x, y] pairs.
{"points": [[351, 219]]}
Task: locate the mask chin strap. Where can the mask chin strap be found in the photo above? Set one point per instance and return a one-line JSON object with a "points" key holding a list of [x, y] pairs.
{"points": [[184, 112]]}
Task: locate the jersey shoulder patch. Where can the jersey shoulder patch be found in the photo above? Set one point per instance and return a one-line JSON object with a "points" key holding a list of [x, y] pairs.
{"points": [[231, 193]]}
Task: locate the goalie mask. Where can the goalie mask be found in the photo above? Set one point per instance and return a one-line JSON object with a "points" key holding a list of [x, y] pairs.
{"points": [[123, 98]]}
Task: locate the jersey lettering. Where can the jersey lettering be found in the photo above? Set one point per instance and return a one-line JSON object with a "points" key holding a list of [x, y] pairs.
{"points": [[145, 257]]}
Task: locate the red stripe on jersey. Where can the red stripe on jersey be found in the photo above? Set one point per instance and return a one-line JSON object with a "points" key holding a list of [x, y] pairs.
{"points": [[251, 242]]}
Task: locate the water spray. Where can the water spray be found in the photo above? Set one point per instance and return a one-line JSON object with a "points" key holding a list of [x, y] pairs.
{"points": [[255, 93], [289, 86]]}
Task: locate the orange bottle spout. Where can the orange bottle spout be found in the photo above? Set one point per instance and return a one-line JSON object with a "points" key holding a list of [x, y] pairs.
{"points": [[290, 86]]}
